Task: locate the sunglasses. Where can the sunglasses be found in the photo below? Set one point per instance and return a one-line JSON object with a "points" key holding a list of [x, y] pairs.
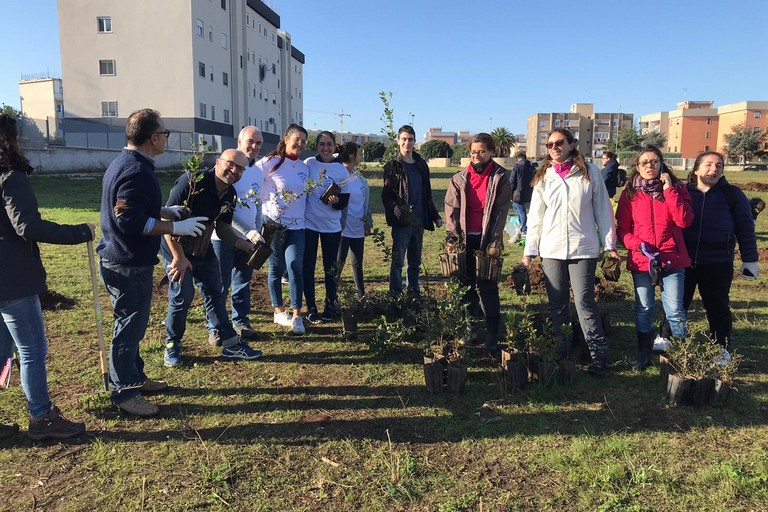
{"points": [[167, 133], [556, 144]]}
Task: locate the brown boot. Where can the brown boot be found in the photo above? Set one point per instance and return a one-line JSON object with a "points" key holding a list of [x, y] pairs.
{"points": [[54, 426], [153, 386]]}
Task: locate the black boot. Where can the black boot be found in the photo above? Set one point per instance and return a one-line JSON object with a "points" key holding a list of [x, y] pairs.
{"points": [[644, 347]]}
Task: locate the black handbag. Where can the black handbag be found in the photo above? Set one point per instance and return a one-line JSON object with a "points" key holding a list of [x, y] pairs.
{"points": [[611, 268]]}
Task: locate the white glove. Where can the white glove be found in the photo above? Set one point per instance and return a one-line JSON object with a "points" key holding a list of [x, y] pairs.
{"points": [[192, 226], [749, 270], [254, 236], [172, 212]]}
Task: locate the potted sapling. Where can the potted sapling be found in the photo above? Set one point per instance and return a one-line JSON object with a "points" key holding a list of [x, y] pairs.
{"points": [[453, 259]]}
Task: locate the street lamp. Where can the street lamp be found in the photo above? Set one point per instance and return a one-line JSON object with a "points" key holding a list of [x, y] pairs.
{"points": [[412, 116], [490, 125]]}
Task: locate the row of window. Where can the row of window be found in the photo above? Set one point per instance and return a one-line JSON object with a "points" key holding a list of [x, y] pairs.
{"points": [[201, 71], [204, 112], [250, 21]]}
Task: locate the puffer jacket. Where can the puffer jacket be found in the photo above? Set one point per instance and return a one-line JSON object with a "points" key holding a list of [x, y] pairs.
{"points": [[658, 223], [21, 227], [712, 236], [570, 218], [498, 198], [395, 190]]}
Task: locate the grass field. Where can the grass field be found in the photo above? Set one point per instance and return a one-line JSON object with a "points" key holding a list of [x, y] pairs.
{"points": [[322, 424]]}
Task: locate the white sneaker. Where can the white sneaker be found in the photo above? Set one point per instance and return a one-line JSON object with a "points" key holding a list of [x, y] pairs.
{"points": [[285, 319], [661, 344], [298, 325], [725, 357]]}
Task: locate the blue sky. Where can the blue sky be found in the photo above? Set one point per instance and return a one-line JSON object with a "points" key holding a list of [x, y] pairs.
{"points": [[459, 67]]}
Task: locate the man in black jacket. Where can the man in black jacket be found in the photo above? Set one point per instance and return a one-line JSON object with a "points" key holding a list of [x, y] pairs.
{"points": [[520, 179], [409, 210], [610, 172]]}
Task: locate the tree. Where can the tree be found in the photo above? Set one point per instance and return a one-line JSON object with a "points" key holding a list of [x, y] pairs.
{"points": [[11, 111], [372, 150], [626, 140], [388, 117], [741, 142], [435, 149], [654, 138], [460, 151], [504, 141], [311, 142]]}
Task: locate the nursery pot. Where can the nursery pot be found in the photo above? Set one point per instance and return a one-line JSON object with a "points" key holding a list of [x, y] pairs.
{"points": [[457, 376], [665, 370], [433, 375], [349, 324], [260, 255], [532, 362], [196, 246], [547, 370], [269, 230], [453, 264], [679, 390], [721, 390], [702, 390], [567, 372], [488, 267], [514, 364]]}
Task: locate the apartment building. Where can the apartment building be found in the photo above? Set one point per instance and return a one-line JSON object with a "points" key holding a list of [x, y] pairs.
{"points": [[209, 66], [591, 129], [752, 113], [439, 134], [41, 100]]}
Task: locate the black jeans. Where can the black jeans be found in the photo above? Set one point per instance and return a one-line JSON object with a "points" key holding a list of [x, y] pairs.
{"points": [[357, 245], [330, 246], [714, 282], [482, 293]]}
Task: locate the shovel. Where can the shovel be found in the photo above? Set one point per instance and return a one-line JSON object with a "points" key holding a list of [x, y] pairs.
{"points": [[99, 326]]}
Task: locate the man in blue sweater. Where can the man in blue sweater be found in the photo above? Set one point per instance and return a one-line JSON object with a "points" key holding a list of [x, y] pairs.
{"points": [[131, 225]]}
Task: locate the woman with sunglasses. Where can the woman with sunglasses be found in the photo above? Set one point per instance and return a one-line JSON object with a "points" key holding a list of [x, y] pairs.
{"points": [[654, 208], [570, 221], [323, 223], [284, 201]]}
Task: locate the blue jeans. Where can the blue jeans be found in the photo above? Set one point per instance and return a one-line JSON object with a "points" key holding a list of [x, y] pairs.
{"points": [[234, 270], [21, 322], [410, 239], [671, 300], [130, 289], [520, 209], [287, 253], [330, 244], [204, 275]]}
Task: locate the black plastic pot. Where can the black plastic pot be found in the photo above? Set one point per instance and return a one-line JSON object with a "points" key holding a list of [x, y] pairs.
{"points": [[260, 256], [516, 368], [349, 324], [488, 267], [721, 390], [433, 375], [566, 372], [679, 390], [196, 246], [702, 391], [453, 264]]}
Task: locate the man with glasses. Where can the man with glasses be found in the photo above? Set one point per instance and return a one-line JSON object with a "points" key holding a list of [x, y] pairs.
{"points": [[409, 210], [247, 220], [132, 225], [209, 193]]}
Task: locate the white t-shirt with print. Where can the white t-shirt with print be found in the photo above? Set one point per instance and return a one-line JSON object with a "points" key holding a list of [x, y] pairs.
{"points": [[320, 217], [291, 178], [354, 226]]}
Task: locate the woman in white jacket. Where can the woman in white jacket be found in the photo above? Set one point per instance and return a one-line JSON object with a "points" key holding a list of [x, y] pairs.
{"points": [[569, 223]]}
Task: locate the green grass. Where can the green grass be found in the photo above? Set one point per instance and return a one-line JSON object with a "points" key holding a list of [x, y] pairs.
{"points": [[322, 424]]}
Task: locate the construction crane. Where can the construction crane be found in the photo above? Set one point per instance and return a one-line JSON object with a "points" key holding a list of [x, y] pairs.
{"points": [[340, 113]]}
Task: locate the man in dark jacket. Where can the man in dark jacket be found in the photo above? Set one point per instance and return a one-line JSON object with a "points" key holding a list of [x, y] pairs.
{"points": [[131, 226], [409, 210], [521, 178], [209, 193], [610, 172]]}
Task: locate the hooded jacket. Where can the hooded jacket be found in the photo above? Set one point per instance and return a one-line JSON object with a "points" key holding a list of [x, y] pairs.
{"points": [[498, 198], [396, 190], [658, 223]]}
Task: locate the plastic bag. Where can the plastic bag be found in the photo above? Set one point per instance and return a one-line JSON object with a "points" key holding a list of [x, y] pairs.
{"points": [[513, 228]]}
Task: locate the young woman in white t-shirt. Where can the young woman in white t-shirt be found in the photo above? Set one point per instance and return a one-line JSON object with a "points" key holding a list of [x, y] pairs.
{"points": [[356, 219]]}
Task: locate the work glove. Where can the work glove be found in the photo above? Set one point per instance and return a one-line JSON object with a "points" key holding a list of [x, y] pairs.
{"points": [[254, 236], [648, 251], [172, 212], [749, 270], [192, 226]]}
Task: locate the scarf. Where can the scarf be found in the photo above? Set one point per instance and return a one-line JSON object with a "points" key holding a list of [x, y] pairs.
{"points": [[480, 168], [652, 187], [564, 168]]}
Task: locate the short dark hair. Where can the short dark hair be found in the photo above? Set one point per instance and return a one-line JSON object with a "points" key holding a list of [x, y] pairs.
{"points": [[609, 154], [482, 138], [521, 154], [347, 151], [406, 128], [141, 125]]}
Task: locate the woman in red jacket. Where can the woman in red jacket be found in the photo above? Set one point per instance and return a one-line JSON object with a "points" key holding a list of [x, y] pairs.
{"points": [[653, 210]]}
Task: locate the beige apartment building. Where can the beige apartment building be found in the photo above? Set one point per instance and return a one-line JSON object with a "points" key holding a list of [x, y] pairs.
{"points": [[209, 66], [591, 129], [752, 113], [41, 99]]}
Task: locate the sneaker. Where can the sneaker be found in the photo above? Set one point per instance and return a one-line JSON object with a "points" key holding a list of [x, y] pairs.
{"points": [[214, 339], [240, 351], [285, 319], [245, 332], [153, 386], [328, 316], [313, 317], [285, 279], [138, 406], [53, 426], [297, 327], [172, 358], [8, 429], [725, 357], [661, 344]]}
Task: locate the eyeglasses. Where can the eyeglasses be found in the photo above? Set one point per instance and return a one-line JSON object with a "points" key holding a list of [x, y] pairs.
{"points": [[480, 152], [555, 144], [167, 133], [646, 163], [233, 165]]}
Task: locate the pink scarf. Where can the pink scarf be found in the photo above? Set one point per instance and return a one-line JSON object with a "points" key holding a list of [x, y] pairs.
{"points": [[564, 168]]}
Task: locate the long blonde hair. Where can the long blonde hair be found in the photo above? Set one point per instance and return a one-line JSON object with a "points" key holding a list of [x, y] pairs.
{"points": [[578, 159]]}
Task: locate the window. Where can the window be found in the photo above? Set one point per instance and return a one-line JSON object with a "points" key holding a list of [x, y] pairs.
{"points": [[200, 28], [106, 67], [213, 113], [706, 148], [108, 109], [226, 116], [274, 99], [211, 73], [756, 130], [210, 33], [224, 40], [758, 114], [247, 19], [104, 24], [273, 38], [203, 110], [201, 69], [259, 27], [709, 120], [224, 4], [274, 69], [266, 94], [225, 78], [706, 135], [265, 32]]}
